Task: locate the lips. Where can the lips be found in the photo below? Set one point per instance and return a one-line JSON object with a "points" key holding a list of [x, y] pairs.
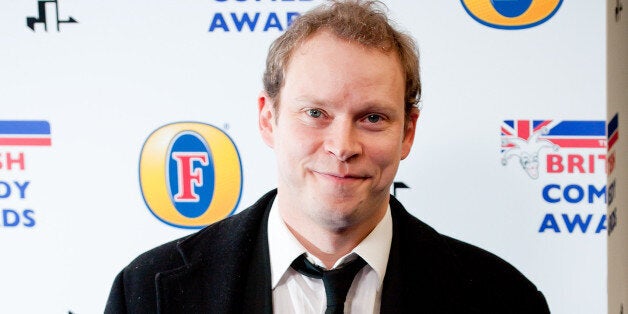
{"points": [[341, 176]]}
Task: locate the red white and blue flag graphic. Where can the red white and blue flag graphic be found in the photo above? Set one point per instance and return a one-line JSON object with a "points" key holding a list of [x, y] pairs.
{"points": [[25, 133], [564, 134], [612, 131]]}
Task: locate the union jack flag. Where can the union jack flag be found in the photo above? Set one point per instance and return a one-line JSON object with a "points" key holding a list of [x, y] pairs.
{"points": [[24, 133], [613, 133], [565, 134]]}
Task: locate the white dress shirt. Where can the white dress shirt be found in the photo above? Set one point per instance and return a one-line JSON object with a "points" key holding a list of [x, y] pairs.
{"points": [[297, 293]]}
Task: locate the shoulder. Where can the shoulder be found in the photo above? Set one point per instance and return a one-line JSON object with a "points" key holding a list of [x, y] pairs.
{"points": [[227, 234], [481, 277], [134, 287], [474, 261], [485, 269], [494, 283]]}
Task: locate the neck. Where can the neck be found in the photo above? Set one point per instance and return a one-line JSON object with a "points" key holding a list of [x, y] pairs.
{"points": [[329, 242], [327, 247]]}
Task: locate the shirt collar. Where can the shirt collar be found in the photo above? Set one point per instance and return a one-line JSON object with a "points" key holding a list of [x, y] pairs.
{"points": [[284, 247]]}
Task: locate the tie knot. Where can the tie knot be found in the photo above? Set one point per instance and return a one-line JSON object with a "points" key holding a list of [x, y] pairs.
{"points": [[337, 281]]}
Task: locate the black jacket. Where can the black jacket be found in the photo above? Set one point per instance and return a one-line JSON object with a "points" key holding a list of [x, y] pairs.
{"points": [[224, 268]]}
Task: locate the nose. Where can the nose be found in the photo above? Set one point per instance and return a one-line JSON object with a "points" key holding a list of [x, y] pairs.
{"points": [[342, 140]]}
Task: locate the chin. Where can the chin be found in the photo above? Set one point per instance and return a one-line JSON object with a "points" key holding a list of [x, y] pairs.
{"points": [[344, 212], [337, 220], [342, 202]]}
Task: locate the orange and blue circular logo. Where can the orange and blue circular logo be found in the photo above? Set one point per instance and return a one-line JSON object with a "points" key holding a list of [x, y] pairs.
{"points": [[511, 14], [190, 174]]}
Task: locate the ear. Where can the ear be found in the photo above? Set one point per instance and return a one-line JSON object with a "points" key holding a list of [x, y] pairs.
{"points": [[266, 118], [408, 135]]}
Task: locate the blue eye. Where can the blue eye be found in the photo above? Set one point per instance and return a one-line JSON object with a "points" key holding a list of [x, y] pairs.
{"points": [[374, 118], [314, 113]]}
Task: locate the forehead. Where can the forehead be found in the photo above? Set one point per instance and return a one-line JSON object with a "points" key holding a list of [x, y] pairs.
{"points": [[327, 65], [323, 41]]}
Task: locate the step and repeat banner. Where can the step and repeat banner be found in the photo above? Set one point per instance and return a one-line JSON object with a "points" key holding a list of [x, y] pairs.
{"points": [[617, 200], [126, 124]]}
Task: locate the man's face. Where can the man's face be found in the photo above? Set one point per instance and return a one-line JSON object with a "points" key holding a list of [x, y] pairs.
{"points": [[338, 132]]}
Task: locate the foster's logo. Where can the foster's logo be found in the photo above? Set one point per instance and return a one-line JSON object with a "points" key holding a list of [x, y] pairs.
{"points": [[190, 174], [511, 14]]}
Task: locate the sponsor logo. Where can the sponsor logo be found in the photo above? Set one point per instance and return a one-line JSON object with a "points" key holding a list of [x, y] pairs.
{"points": [[612, 131], [613, 135], [48, 11], [525, 139], [612, 221], [611, 192], [25, 133], [260, 19], [511, 14], [14, 188], [190, 174], [399, 185], [567, 154]]}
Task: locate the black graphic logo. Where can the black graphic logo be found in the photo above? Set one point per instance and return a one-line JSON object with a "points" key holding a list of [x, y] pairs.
{"points": [[398, 185], [50, 6]]}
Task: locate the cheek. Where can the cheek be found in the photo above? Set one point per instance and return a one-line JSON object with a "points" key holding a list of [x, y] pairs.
{"points": [[294, 142], [387, 161], [386, 157]]}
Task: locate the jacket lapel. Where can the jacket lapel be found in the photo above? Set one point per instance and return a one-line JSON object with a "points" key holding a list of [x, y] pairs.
{"points": [[227, 268], [217, 260], [423, 274], [258, 289]]}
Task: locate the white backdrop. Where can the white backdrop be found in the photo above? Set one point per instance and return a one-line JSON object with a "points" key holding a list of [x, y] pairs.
{"points": [[127, 68]]}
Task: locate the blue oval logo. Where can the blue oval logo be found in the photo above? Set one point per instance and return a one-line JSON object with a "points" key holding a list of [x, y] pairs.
{"points": [[511, 8], [511, 14], [190, 173]]}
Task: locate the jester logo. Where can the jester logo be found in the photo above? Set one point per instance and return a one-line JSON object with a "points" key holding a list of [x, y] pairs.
{"points": [[525, 139], [526, 150]]}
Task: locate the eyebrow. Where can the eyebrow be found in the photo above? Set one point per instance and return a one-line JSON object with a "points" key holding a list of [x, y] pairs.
{"points": [[386, 107]]}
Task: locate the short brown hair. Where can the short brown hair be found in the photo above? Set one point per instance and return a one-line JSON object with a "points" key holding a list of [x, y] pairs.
{"points": [[363, 22]]}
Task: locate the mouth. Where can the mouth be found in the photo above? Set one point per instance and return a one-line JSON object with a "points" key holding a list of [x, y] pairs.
{"points": [[341, 177]]}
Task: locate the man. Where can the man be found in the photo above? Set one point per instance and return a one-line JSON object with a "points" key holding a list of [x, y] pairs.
{"points": [[339, 110]]}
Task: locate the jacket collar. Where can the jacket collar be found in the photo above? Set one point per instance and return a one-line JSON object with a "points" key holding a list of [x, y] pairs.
{"points": [[222, 271], [423, 272]]}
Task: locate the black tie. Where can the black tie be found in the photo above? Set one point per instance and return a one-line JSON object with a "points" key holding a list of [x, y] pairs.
{"points": [[337, 281]]}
